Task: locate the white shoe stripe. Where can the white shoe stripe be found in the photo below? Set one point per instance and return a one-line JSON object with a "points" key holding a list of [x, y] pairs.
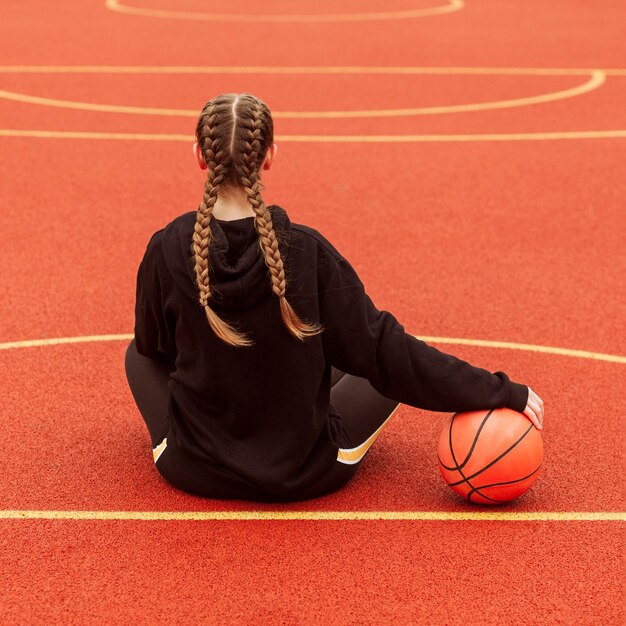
{"points": [[158, 451], [351, 456]]}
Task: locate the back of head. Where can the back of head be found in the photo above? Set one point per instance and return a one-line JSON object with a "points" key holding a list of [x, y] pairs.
{"points": [[234, 132]]}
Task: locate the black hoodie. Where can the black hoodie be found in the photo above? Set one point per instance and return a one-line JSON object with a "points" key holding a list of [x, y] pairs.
{"points": [[258, 418]]}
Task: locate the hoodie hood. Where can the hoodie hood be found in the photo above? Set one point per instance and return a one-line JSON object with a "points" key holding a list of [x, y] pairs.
{"points": [[238, 274]]}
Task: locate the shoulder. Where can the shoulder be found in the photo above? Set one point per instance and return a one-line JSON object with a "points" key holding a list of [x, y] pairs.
{"points": [[181, 223], [314, 237], [331, 264], [307, 243], [303, 242], [153, 255]]}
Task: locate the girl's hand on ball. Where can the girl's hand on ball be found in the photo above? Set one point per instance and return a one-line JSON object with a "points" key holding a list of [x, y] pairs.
{"points": [[534, 409]]}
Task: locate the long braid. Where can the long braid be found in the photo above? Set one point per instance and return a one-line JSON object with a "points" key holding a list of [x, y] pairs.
{"points": [[218, 164], [253, 139]]}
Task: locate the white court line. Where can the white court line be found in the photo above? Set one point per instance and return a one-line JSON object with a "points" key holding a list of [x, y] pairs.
{"points": [[321, 515], [309, 69], [596, 80], [497, 137], [450, 6], [484, 343], [499, 516]]}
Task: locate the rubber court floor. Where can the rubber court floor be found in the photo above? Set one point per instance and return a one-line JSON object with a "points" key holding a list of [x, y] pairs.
{"points": [[466, 157]]}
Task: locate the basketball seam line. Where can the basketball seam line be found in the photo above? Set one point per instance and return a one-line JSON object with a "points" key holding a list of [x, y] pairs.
{"points": [[465, 479], [508, 482], [480, 471], [467, 458]]}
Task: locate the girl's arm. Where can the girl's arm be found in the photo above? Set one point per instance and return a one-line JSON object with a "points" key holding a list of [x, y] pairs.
{"points": [[363, 341], [155, 326]]}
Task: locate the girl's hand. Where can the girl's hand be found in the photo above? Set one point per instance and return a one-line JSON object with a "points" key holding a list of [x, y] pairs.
{"points": [[534, 409]]}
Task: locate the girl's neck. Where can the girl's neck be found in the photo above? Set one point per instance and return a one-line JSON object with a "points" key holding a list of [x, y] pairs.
{"points": [[232, 205]]}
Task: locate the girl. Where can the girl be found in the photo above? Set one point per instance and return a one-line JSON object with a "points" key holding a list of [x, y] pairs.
{"points": [[260, 365]]}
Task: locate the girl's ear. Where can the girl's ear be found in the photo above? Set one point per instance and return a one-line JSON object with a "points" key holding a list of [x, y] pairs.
{"points": [[269, 157], [197, 151]]}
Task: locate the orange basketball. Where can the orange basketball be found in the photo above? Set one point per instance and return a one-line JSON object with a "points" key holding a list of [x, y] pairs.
{"points": [[490, 456]]}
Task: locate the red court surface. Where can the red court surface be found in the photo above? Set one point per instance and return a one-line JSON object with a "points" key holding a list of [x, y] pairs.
{"points": [[467, 158]]}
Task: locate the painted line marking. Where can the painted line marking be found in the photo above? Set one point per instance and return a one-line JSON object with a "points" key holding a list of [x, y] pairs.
{"points": [[55, 341], [498, 516], [596, 80], [321, 515], [482, 343], [534, 136], [545, 136], [451, 6], [307, 69]]}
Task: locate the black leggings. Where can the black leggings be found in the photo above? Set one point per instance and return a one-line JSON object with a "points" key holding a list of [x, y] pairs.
{"points": [[364, 412]]}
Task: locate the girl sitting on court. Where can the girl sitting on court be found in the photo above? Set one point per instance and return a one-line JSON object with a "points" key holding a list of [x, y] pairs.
{"points": [[260, 365]]}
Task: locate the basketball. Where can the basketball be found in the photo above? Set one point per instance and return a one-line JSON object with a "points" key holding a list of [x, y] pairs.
{"points": [[490, 456]]}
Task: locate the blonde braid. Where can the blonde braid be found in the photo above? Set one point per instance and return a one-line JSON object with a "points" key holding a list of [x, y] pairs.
{"points": [[249, 179], [218, 163]]}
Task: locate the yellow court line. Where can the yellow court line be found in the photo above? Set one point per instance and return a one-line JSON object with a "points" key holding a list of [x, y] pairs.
{"points": [[56, 341], [545, 136], [307, 69], [483, 343], [584, 134], [70, 134], [507, 345], [450, 7], [482, 516], [596, 80]]}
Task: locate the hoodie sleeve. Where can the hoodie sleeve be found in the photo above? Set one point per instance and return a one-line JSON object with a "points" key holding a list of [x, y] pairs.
{"points": [[154, 324], [363, 341]]}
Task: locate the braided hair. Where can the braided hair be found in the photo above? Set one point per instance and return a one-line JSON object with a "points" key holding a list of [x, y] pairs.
{"points": [[235, 133]]}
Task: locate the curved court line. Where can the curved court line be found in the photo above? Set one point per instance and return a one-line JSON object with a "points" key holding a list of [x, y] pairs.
{"points": [[55, 341], [508, 345], [582, 134], [306, 69], [499, 516], [596, 80], [450, 7], [483, 343]]}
